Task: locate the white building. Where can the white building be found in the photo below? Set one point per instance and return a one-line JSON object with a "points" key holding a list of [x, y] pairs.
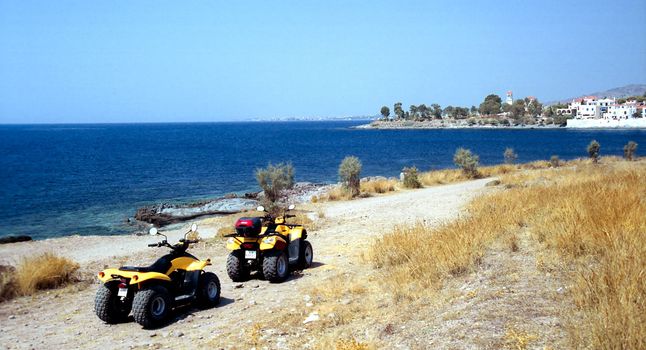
{"points": [[624, 111], [510, 98]]}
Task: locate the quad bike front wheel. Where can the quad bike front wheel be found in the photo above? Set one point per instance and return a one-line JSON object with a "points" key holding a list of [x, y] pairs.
{"points": [[151, 306], [306, 255], [108, 306], [208, 290], [236, 268], [275, 266]]}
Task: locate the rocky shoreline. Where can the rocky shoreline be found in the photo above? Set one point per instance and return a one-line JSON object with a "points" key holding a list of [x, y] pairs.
{"points": [[447, 124], [170, 213]]}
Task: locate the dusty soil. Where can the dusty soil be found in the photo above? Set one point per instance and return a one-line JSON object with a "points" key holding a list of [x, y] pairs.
{"points": [[506, 298]]}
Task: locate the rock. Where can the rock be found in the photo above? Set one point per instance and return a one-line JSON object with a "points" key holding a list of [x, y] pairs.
{"points": [[309, 304], [165, 213], [307, 298], [345, 301], [179, 334], [252, 302], [560, 290], [493, 183], [12, 317], [313, 317], [373, 178], [255, 286], [152, 335], [15, 239]]}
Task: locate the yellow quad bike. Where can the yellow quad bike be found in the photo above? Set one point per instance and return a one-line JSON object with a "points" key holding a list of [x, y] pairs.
{"points": [[175, 279], [269, 245]]}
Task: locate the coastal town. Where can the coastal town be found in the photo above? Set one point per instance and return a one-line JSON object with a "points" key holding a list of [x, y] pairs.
{"points": [[583, 112]]}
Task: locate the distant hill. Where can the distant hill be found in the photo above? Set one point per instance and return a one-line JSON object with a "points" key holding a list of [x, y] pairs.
{"points": [[624, 91]]}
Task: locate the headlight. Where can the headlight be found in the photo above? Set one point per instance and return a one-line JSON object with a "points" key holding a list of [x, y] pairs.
{"points": [[269, 240], [230, 240]]}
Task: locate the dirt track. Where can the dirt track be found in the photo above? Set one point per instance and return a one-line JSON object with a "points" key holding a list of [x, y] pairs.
{"points": [[65, 318]]}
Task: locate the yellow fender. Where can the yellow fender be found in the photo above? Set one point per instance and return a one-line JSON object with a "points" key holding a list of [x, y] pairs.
{"points": [[296, 233], [234, 242], [106, 275], [146, 276], [273, 242]]}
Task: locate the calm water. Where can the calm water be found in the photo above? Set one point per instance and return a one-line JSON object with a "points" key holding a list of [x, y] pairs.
{"points": [[87, 179]]}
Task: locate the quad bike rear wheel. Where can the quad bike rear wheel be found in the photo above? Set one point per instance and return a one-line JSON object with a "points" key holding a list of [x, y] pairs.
{"points": [[275, 266], [306, 255], [151, 306], [236, 268], [108, 306], [208, 290]]}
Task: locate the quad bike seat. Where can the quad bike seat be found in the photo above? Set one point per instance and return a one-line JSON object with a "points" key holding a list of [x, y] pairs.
{"points": [[161, 265]]}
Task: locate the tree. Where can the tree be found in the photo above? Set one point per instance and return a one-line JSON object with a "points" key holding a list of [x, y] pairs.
{"points": [[534, 108], [423, 111], [491, 105], [593, 150], [510, 156], [448, 111], [411, 179], [275, 178], [466, 161], [629, 150], [413, 111], [436, 111], [473, 110], [399, 112], [349, 173], [517, 110], [385, 112]]}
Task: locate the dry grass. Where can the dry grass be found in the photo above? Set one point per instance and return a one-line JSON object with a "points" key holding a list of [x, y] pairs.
{"points": [[592, 216], [45, 271], [379, 186], [338, 193]]}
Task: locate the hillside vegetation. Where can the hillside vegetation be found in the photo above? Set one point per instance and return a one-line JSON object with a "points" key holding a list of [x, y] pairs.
{"points": [[585, 225]]}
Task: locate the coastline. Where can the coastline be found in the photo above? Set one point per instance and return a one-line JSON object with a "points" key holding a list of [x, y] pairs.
{"points": [[404, 125]]}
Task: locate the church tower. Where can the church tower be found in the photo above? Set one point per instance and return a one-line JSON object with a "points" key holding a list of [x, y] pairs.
{"points": [[510, 98]]}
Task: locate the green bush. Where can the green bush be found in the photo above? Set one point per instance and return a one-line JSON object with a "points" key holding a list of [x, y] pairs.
{"points": [[593, 150], [555, 162], [629, 150], [349, 173], [411, 178], [467, 161], [510, 156], [275, 178]]}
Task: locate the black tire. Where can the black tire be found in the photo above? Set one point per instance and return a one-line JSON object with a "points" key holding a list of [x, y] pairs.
{"points": [[151, 306], [236, 268], [306, 255], [208, 290], [108, 306], [275, 266]]}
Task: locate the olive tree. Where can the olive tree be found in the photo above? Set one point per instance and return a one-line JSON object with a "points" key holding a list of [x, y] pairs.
{"points": [[275, 178], [510, 156], [349, 173], [467, 161], [629, 150], [593, 150]]}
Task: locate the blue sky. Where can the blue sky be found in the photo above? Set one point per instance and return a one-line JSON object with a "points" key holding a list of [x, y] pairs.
{"points": [[145, 61]]}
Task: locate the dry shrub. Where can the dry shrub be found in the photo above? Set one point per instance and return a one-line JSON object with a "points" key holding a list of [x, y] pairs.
{"points": [[351, 344], [592, 216], [8, 286], [378, 186], [338, 193], [45, 271], [440, 177]]}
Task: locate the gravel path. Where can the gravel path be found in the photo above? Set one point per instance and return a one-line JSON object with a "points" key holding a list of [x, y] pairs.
{"points": [[65, 318]]}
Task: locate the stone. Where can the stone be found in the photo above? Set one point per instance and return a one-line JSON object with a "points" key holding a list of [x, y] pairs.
{"points": [[238, 286], [12, 317], [313, 317], [309, 304]]}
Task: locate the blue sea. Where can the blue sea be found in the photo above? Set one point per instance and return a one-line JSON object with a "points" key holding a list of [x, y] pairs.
{"points": [[59, 180]]}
